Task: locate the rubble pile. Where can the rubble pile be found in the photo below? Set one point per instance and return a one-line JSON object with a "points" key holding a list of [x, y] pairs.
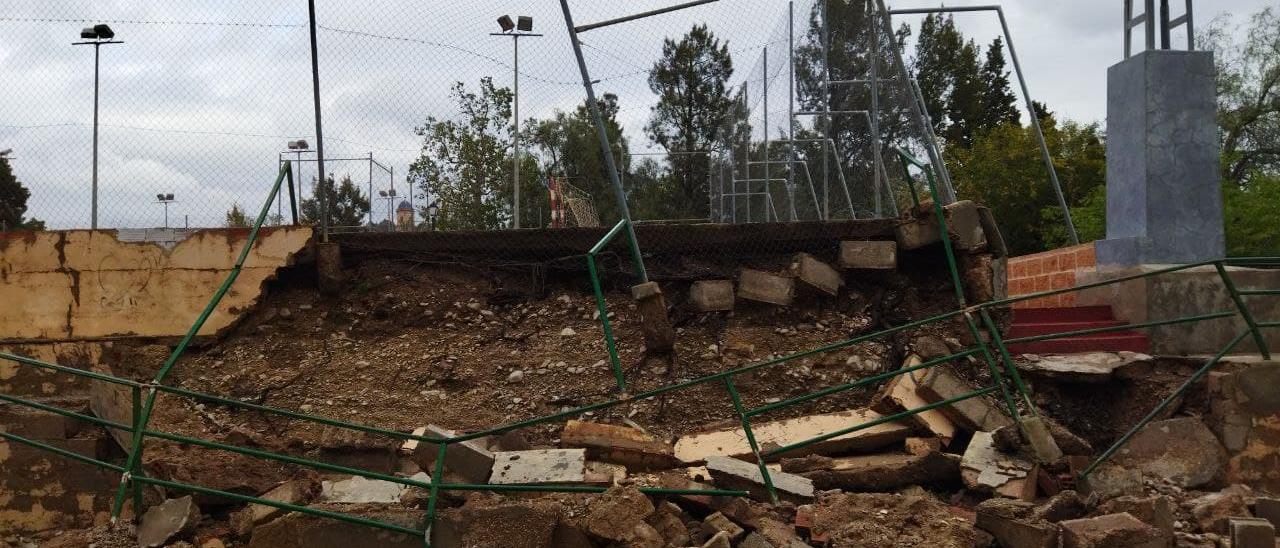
{"points": [[422, 351]]}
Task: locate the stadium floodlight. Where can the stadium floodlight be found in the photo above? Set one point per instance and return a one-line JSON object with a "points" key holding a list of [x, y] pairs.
{"points": [[165, 199], [96, 36], [506, 23], [524, 23], [300, 144], [523, 27]]}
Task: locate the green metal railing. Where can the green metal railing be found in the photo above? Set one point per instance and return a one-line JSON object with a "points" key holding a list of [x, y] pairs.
{"points": [[976, 318]]}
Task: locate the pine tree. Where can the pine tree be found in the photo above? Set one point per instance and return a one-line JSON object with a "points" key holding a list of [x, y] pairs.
{"points": [[13, 202], [1000, 105]]}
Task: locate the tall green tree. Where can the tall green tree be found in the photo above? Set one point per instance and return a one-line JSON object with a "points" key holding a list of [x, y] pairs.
{"points": [[346, 204], [464, 163], [236, 217], [692, 111], [999, 104], [13, 201], [1248, 94]]}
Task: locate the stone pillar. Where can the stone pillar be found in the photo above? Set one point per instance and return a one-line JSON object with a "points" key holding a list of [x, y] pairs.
{"points": [[1164, 199]]}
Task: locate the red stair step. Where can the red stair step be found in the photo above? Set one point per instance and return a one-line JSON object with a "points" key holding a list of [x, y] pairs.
{"points": [[1066, 314], [1032, 329], [1131, 341]]}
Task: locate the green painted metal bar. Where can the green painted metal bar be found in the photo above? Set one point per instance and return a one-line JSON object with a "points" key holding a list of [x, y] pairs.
{"points": [[608, 237], [61, 452], [283, 506], [879, 421], [705, 379], [1269, 324], [603, 309], [434, 496], [866, 381], [911, 183], [751, 438], [135, 398], [1126, 327], [1010, 369], [64, 412], [68, 370], [296, 415], [1245, 313], [1163, 404], [1258, 292], [136, 445], [988, 359]]}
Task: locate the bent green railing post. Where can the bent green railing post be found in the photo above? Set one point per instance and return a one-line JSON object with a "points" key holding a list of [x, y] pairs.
{"points": [[1010, 369], [436, 473], [1258, 339], [1182, 389], [906, 175], [136, 471], [136, 445], [751, 438], [610, 343]]}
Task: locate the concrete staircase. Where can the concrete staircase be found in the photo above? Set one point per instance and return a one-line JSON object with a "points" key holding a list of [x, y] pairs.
{"points": [[1029, 322]]}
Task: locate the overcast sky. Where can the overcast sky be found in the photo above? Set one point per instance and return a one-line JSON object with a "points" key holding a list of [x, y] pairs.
{"points": [[203, 94]]}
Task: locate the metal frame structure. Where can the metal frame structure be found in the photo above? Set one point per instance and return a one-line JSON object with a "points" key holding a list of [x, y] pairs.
{"points": [[1147, 21], [1026, 95], [991, 348]]}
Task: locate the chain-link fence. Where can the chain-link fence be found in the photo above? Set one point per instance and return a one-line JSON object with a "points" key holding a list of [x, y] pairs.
{"points": [[203, 100]]}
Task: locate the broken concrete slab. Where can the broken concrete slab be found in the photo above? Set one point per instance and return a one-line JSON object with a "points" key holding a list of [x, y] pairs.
{"points": [[730, 473], [1012, 524], [900, 394], [696, 448], [1252, 533], [1227, 416], [113, 402], [718, 523], [470, 460], [533, 524], [922, 446], [655, 324], [1111, 530], [1156, 511], [604, 473], [1042, 443], [1257, 386], [917, 233], [1213, 511], [297, 492], [539, 466], [711, 295], [1182, 450], [880, 472], [1110, 481], [618, 444], [869, 255], [170, 520], [984, 468], [356, 489], [1087, 367], [816, 274], [765, 287], [964, 222], [296, 530], [976, 414]]}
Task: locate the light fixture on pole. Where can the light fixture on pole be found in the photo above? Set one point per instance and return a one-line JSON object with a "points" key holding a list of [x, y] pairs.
{"points": [[432, 210], [96, 36], [297, 148], [390, 197], [521, 27], [165, 199]]}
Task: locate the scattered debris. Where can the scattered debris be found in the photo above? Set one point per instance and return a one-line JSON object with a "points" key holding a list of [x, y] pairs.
{"points": [[170, 520], [730, 473], [618, 444], [984, 468]]}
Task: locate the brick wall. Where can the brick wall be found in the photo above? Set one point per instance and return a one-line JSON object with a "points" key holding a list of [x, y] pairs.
{"points": [[1049, 270]]}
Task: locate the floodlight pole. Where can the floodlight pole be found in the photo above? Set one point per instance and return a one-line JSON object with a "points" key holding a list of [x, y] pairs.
{"points": [[515, 119], [315, 91], [97, 46]]}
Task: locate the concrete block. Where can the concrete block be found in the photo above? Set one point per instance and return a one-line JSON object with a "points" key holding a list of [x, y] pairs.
{"points": [[1012, 524], [730, 473], [329, 267], [360, 490], [964, 223], [733, 442], [711, 295], [1213, 512], [757, 285], [1268, 508], [1156, 511], [882, 472], [718, 523], [659, 336], [918, 233], [1042, 443], [1252, 533], [470, 460], [618, 444], [977, 414], [816, 274], [900, 394], [539, 466], [170, 520], [113, 402], [1182, 450], [1111, 530], [869, 255], [984, 468]]}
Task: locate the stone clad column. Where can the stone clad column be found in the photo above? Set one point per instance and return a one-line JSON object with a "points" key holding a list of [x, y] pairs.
{"points": [[1164, 198]]}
